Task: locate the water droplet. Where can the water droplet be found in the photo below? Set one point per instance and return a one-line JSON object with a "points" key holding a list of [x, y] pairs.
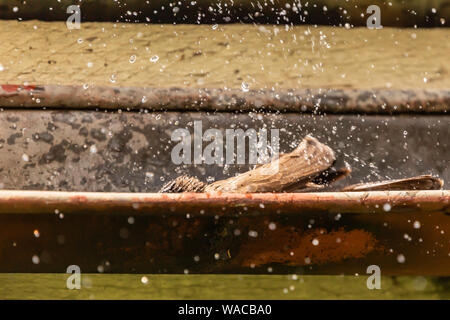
{"points": [[124, 233], [35, 259], [154, 58], [253, 233], [133, 59], [420, 283], [245, 87]]}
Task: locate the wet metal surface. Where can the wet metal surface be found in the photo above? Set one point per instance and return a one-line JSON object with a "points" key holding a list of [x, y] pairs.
{"points": [[38, 202]]}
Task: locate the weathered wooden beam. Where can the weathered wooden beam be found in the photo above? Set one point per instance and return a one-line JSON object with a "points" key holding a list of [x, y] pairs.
{"points": [[284, 173], [351, 70], [202, 286], [425, 182]]}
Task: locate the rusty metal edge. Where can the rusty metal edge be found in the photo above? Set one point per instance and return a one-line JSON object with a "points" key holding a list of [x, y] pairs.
{"points": [[30, 202], [312, 100]]}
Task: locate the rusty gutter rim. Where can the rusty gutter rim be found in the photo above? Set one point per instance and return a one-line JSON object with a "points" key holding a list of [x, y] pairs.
{"points": [[18, 201], [312, 100]]}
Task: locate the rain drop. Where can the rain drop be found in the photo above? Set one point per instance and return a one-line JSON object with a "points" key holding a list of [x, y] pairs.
{"points": [[245, 87]]}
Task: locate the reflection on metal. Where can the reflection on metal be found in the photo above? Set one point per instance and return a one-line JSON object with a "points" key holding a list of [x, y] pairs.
{"points": [[403, 232]]}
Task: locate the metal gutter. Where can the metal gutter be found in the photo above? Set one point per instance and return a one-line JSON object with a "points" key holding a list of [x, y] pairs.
{"points": [[402, 232], [12, 201], [376, 101]]}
